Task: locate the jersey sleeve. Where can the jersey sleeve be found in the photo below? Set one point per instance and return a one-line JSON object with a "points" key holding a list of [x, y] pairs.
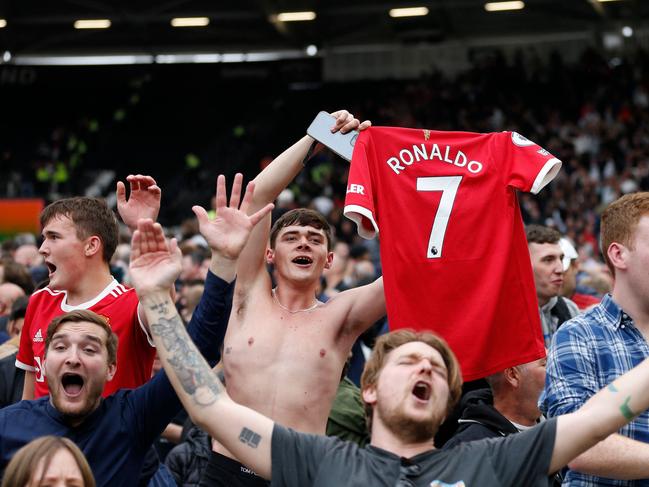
{"points": [[359, 201], [526, 166], [25, 356]]}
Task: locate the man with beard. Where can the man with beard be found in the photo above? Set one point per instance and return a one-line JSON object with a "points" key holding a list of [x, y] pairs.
{"points": [[409, 384], [81, 357]]}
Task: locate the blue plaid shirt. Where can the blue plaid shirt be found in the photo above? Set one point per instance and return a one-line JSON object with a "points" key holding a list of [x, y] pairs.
{"points": [[587, 353]]}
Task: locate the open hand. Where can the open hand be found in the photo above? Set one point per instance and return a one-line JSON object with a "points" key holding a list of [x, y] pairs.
{"points": [[143, 201], [230, 229], [155, 264]]}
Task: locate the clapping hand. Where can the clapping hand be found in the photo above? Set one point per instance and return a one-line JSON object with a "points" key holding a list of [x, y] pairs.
{"points": [[155, 263]]}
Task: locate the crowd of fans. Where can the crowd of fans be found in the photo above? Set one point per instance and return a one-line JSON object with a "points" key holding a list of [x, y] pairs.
{"points": [[591, 115]]}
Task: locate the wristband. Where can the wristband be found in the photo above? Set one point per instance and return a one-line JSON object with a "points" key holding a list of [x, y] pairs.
{"points": [[309, 155]]}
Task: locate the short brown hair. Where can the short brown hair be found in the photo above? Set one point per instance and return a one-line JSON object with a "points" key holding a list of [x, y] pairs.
{"points": [[90, 216], [620, 220], [78, 316], [390, 341], [540, 234], [25, 462], [304, 218]]}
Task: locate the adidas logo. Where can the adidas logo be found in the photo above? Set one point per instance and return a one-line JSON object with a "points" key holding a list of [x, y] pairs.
{"points": [[38, 337]]}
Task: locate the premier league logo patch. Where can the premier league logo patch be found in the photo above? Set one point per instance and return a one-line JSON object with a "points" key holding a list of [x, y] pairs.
{"points": [[439, 483], [521, 141]]}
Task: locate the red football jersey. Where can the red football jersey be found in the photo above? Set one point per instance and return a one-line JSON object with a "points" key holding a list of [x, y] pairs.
{"points": [[116, 303], [453, 246]]}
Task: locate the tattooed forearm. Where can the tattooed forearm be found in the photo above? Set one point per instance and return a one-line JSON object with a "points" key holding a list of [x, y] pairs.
{"points": [[626, 410], [192, 371], [249, 437], [162, 307], [624, 407]]}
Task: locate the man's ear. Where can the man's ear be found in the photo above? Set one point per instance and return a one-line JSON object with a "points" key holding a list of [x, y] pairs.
{"points": [[93, 245], [329, 261], [369, 395], [512, 376], [112, 368], [270, 256], [617, 254]]}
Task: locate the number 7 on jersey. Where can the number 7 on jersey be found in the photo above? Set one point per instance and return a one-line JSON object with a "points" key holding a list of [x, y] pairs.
{"points": [[448, 185]]}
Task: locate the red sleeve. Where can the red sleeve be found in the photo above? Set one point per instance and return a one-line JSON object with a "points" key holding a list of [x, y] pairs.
{"points": [[526, 166], [25, 357], [359, 201]]}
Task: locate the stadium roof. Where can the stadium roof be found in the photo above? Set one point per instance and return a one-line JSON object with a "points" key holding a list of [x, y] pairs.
{"points": [[37, 27]]}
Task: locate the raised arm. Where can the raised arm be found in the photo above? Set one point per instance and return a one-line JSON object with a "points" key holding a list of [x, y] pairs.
{"points": [[269, 183], [154, 266], [602, 415]]}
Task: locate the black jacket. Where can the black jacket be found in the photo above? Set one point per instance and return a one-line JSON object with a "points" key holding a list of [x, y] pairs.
{"points": [[479, 419], [187, 461], [11, 381]]}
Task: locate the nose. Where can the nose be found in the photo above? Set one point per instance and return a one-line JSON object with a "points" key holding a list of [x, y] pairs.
{"points": [[304, 241], [43, 248], [425, 365], [72, 357]]}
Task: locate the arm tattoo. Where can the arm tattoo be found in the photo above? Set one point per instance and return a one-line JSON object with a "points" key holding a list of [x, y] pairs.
{"points": [[626, 410], [249, 437], [161, 308], [189, 366], [624, 407]]}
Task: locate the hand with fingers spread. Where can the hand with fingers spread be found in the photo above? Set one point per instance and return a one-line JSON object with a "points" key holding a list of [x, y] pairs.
{"points": [[143, 201], [155, 263], [228, 232], [345, 122]]}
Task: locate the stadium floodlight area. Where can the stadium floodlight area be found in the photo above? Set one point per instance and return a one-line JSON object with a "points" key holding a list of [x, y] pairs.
{"points": [[408, 12], [190, 22], [92, 24], [296, 16], [167, 58], [503, 6]]}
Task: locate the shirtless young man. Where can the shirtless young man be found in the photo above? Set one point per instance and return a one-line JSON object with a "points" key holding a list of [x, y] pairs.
{"points": [[284, 350]]}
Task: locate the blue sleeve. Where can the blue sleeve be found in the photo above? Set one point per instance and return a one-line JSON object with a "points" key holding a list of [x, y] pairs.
{"points": [[210, 318], [155, 403], [571, 370]]}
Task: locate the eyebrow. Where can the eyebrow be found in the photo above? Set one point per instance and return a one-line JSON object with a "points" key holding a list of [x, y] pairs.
{"points": [[91, 338], [433, 360], [309, 232]]}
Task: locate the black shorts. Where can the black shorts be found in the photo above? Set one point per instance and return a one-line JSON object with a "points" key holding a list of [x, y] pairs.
{"points": [[222, 471]]}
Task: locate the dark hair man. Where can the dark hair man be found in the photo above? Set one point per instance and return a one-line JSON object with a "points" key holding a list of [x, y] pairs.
{"points": [[547, 263], [284, 350]]}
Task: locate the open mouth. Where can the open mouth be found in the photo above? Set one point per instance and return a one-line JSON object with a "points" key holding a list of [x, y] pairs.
{"points": [[72, 384], [421, 391], [51, 268], [302, 260]]}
